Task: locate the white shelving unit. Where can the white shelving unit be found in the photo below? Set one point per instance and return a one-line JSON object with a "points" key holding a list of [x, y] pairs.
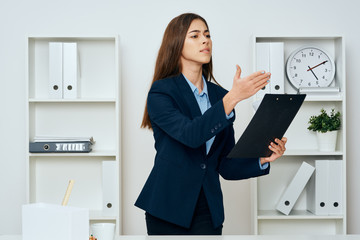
{"points": [[302, 146], [95, 112]]}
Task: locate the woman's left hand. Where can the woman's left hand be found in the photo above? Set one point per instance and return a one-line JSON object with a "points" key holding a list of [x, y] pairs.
{"points": [[278, 149]]}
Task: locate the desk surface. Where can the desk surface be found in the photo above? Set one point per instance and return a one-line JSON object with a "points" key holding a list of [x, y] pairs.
{"points": [[225, 237]]}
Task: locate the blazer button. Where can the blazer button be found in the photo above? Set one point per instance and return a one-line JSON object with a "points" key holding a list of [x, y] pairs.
{"points": [[216, 127], [212, 130], [203, 166]]}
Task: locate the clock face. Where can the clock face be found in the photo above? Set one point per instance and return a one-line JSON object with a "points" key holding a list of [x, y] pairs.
{"points": [[310, 67]]}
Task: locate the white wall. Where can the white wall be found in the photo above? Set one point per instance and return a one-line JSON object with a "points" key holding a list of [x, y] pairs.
{"points": [[140, 24]]}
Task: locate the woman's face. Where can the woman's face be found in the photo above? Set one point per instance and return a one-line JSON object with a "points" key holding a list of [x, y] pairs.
{"points": [[197, 46]]}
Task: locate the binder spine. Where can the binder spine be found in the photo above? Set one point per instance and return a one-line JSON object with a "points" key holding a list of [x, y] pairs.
{"points": [[56, 70], [109, 190], [295, 188], [317, 200], [60, 147], [335, 187], [263, 63], [277, 67], [70, 70]]}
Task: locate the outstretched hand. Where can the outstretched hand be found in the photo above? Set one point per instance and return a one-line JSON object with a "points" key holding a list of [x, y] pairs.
{"points": [[247, 86], [244, 88], [278, 148]]}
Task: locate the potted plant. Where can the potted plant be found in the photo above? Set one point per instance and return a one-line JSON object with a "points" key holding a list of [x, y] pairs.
{"points": [[326, 127]]}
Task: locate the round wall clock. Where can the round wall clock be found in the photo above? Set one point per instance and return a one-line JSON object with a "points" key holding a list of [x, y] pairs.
{"points": [[310, 66]]}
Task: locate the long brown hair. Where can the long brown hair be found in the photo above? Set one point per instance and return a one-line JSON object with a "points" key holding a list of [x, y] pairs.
{"points": [[168, 59]]}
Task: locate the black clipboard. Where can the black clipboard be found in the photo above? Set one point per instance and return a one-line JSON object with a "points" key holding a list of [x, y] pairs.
{"points": [[271, 120]]}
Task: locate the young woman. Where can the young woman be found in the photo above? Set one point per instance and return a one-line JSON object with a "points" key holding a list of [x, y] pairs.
{"points": [[192, 122]]}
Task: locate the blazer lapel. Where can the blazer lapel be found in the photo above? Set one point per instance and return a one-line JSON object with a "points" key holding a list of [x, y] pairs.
{"points": [[213, 97], [188, 96], [192, 107]]}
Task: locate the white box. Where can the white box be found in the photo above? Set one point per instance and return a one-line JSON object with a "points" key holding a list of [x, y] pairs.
{"points": [[42, 221], [295, 188]]}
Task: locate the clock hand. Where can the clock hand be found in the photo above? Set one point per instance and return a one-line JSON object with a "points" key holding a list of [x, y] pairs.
{"points": [[313, 72], [310, 69]]}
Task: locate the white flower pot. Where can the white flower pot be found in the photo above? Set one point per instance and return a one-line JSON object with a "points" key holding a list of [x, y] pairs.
{"points": [[326, 141]]}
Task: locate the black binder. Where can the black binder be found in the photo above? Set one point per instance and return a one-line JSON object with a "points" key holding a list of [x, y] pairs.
{"points": [[271, 120]]}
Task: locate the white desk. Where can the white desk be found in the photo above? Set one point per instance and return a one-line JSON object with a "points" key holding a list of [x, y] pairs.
{"points": [[225, 237]]}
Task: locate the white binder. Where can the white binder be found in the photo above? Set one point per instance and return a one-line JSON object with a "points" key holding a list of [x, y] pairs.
{"points": [[317, 190], [109, 190], [335, 187], [55, 70], [263, 63], [277, 67], [294, 189], [70, 70]]}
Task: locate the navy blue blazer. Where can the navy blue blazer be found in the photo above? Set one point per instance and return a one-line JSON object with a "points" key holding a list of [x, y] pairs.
{"points": [[181, 164]]}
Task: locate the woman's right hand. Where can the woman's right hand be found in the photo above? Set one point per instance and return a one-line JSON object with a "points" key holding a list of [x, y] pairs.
{"points": [[244, 88]]}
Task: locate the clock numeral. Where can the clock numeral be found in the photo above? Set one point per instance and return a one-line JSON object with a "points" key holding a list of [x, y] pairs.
{"points": [[311, 54], [309, 84], [298, 60], [303, 55]]}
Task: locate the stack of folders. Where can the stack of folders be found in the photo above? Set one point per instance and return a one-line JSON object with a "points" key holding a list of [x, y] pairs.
{"points": [[324, 191], [61, 145]]}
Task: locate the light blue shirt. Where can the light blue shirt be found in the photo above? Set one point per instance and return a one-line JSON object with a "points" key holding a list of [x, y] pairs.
{"points": [[204, 104]]}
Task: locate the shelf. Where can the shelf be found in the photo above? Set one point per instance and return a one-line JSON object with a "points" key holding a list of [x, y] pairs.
{"points": [[97, 215], [80, 100], [311, 152], [294, 214], [90, 154], [324, 98]]}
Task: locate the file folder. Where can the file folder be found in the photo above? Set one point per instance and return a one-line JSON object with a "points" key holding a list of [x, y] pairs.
{"points": [[277, 67], [295, 188], [70, 70], [109, 190], [263, 63], [55, 70], [317, 191], [271, 120], [335, 187]]}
